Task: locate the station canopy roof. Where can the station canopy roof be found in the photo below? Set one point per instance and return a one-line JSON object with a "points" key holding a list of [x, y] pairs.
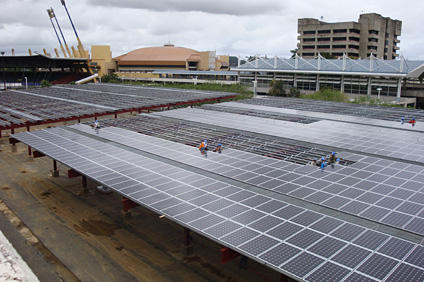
{"points": [[41, 61], [370, 66]]}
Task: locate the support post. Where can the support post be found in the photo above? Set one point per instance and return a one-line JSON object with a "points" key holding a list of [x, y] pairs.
{"points": [[342, 84], [369, 87], [283, 278], [84, 188], [127, 206], [116, 115], [30, 157], [317, 83], [55, 172], [188, 246], [399, 89]]}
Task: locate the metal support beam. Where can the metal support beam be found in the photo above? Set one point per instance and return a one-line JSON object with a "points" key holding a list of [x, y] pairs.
{"points": [[30, 157], [55, 172], [369, 86], [37, 154], [128, 205], [399, 89], [187, 245], [228, 255], [283, 278], [317, 83], [342, 84], [72, 173]]}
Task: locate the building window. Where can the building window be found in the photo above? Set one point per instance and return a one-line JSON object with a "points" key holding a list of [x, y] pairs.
{"points": [[308, 47], [387, 34], [356, 47], [323, 46], [374, 48], [353, 39], [354, 30], [340, 31], [375, 32], [336, 39], [386, 49], [339, 46], [308, 54], [327, 31], [373, 40], [308, 39], [324, 39], [309, 32], [385, 57]]}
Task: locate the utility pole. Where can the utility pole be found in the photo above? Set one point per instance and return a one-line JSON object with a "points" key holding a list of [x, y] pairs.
{"points": [[4, 70]]}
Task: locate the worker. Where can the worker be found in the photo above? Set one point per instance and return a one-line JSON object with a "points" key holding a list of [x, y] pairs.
{"points": [[203, 146], [402, 120], [332, 158], [314, 162], [218, 148], [96, 124], [412, 121], [323, 164]]}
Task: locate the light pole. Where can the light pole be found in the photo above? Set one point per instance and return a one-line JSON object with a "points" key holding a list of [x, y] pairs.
{"points": [[379, 89], [255, 84], [4, 71]]}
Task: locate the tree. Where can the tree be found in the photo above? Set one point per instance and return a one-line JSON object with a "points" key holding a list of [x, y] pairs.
{"points": [[294, 52], [276, 88], [45, 84], [294, 92], [328, 56]]}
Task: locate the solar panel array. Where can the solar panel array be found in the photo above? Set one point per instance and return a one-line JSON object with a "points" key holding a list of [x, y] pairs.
{"points": [[330, 107], [281, 113], [18, 107], [301, 243], [371, 140], [380, 190], [191, 134]]}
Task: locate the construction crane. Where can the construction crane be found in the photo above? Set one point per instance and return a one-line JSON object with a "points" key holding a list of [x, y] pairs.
{"points": [[83, 53], [52, 15]]}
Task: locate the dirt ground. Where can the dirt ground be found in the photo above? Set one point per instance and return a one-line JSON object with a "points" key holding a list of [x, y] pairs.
{"points": [[67, 237]]}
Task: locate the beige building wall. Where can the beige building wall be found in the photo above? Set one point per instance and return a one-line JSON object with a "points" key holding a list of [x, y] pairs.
{"points": [[371, 34], [207, 61], [101, 56]]}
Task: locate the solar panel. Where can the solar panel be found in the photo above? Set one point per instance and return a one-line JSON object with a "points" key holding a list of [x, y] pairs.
{"points": [[353, 200], [229, 220]]}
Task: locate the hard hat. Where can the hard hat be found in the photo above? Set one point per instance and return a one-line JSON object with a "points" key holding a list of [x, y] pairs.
{"points": [[219, 144], [206, 141], [322, 158], [413, 118], [403, 118], [334, 153], [338, 159]]}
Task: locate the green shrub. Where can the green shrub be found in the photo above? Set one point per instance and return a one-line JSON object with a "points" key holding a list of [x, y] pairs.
{"points": [[327, 94], [45, 83]]}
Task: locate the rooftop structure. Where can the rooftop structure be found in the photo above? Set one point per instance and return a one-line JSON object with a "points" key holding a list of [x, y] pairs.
{"points": [[394, 78], [372, 34]]}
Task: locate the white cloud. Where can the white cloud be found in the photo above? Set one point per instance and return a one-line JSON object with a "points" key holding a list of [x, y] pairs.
{"points": [[234, 27]]}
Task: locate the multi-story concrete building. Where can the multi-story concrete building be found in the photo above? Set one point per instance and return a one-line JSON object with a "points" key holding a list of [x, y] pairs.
{"points": [[371, 34]]}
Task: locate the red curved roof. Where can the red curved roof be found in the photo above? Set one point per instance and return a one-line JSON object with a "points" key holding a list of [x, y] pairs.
{"points": [[163, 55]]}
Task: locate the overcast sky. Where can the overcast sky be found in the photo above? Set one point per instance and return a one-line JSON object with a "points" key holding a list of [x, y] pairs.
{"points": [[231, 27]]}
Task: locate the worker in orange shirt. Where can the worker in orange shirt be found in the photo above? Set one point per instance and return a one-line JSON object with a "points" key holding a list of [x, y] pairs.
{"points": [[203, 146], [412, 121]]}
